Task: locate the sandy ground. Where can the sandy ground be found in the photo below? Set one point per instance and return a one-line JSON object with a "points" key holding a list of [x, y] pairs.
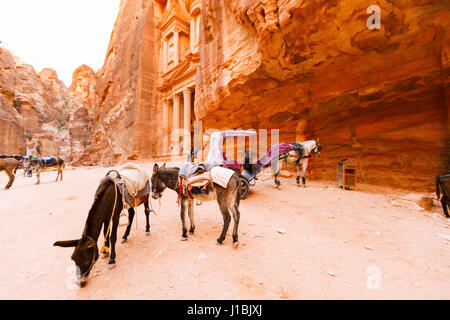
{"points": [[335, 244]]}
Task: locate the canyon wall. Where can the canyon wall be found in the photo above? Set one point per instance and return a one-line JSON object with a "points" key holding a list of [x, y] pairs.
{"points": [[313, 69], [35, 109], [125, 89]]}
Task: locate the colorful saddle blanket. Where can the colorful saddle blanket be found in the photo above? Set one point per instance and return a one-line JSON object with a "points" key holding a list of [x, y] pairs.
{"points": [[45, 161], [278, 150]]}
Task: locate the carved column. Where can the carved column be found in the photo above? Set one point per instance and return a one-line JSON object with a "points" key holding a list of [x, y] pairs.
{"points": [[165, 125], [176, 118], [164, 55], [187, 121], [193, 35], [176, 46]]}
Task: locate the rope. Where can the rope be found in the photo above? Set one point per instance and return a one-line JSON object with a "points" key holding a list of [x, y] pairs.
{"points": [[113, 179]]}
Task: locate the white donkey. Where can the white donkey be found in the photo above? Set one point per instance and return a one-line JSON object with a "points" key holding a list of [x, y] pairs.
{"points": [[299, 159]]}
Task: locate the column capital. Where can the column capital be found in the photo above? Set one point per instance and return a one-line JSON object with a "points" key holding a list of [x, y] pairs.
{"points": [[187, 91], [176, 95]]}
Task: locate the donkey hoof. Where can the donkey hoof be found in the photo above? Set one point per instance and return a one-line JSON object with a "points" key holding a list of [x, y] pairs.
{"points": [[219, 242], [111, 266], [105, 255], [191, 231], [124, 240], [235, 244], [184, 238], [81, 283], [147, 233]]}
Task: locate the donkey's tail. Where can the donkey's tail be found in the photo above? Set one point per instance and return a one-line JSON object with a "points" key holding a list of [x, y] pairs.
{"points": [[238, 196]]}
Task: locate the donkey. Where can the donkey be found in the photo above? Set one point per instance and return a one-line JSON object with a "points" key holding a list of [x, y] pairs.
{"points": [[10, 166], [228, 199], [106, 209], [443, 192], [294, 157], [43, 164]]}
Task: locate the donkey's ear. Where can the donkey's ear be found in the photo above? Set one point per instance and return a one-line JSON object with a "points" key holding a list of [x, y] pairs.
{"points": [[155, 168], [163, 166], [66, 243]]}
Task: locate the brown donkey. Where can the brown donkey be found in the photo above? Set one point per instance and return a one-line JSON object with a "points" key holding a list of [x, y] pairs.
{"points": [[44, 164], [10, 166]]}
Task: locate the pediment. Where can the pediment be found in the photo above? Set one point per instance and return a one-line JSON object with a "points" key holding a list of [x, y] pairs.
{"points": [[174, 13]]}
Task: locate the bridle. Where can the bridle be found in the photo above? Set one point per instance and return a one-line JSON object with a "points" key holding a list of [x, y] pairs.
{"points": [[94, 259]]}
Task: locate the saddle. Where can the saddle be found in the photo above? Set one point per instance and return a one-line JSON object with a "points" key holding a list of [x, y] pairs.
{"points": [[203, 183], [132, 182]]}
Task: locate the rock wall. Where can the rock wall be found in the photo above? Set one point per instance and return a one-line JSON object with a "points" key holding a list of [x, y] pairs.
{"points": [[35, 109], [125, 90], [314, 69]]}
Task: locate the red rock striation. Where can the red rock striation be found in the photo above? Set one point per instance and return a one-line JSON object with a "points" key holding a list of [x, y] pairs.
{"points": [[314, 69]]}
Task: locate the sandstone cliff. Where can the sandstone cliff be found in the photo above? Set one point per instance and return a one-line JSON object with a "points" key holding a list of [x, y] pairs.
{"points": [[35, 109], [125, 89], [312, 68]]}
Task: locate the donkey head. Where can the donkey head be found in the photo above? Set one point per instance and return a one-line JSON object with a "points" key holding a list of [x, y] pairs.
{"points": [[158, 185], [317, 148], [85, 255]]}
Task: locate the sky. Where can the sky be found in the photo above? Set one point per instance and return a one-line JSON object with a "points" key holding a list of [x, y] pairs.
{"points": [[58, 34]]}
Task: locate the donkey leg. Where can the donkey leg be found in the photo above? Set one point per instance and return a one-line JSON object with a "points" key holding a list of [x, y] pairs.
{"points": [[57, 176], [226, 222], [11, 179], [131, 213], [444, 206], [38, 175], [277, 182], [276, 168], [112, 257], [191, 216], [147, 217], [298, 175], [304, 167], [184, 204], [236, 218], [105, 250]]}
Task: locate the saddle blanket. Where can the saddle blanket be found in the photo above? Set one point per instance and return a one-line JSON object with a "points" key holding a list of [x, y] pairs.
{"points": [[221, 176], [135, 177], [133, 183], [277, 150], [49, 161], [218, 175]]}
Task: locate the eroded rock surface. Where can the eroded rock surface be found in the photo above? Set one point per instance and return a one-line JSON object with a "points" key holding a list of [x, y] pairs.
{"points": [[35, 110], [314, 69], [122, 117]]}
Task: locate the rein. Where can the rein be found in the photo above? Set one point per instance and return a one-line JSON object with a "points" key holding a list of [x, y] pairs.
{"points": [[105, 248], [94, 260]]}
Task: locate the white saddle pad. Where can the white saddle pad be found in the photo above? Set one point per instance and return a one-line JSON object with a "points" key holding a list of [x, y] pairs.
{"points": [[134, 176], [221, 176]]}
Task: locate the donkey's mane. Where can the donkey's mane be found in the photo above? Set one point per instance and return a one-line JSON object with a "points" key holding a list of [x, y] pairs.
{"points": [[92, 215]]}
